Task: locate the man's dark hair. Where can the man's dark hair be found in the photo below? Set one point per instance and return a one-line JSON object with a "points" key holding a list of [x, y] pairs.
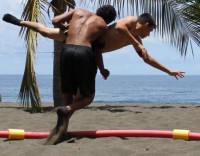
{"points": [[146, 17], [107, 12]]}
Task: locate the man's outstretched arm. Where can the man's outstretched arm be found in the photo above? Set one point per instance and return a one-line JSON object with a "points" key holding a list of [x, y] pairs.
{"points": [[154, 63]]}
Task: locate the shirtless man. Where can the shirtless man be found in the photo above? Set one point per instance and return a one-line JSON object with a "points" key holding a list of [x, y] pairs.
{"points": [[77, 59], [126, 31]]}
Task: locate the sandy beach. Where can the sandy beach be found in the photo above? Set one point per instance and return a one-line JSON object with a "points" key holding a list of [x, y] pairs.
{"points": [[104, 117]]}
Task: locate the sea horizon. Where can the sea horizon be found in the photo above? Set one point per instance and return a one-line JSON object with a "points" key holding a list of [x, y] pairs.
{"points": [[148, 89]]}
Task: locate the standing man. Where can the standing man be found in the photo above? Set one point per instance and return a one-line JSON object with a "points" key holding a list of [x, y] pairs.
{"points": [[78, 65]]}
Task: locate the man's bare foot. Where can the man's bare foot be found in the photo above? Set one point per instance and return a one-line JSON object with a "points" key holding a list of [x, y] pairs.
{"points": [[60, 128]]}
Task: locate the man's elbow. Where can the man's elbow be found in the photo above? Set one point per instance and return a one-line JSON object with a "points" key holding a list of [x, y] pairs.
{"points": [[55, 21], [144, 56], [146, 59]]}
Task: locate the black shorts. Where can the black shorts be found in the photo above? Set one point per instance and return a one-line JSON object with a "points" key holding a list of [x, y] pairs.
{"points": [[78, 69]]}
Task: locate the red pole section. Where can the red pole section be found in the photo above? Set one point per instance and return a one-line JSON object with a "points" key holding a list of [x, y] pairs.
{"points": [[16, 134], [4, 134], [122, 133], [36, 135], [194, 136]]}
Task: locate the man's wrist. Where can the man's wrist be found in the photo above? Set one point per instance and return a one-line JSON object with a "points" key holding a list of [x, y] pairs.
{"points": [[168, 72], [102, 70]]}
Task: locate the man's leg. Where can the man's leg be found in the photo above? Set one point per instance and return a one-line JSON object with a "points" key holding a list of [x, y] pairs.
{"points": [[67, 99], [52, 33], [80, 103], [63, 116]]}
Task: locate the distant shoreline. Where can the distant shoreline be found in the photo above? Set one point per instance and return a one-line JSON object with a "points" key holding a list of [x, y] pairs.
{"points": [[100, 75], [96, 104]]}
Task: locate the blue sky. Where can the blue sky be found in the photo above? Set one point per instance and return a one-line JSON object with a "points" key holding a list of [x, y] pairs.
{"points": [[121, 62]]}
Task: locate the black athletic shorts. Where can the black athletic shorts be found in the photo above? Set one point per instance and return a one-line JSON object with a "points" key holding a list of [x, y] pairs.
{"points": [[78, 69]]}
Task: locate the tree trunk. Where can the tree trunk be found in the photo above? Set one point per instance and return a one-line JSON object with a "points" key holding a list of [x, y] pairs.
{"points": [[57, 95], [61, 7]]}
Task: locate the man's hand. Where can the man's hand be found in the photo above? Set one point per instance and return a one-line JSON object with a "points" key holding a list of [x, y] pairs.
{"points": [[105, 73], [177, 74], [64, 26]]}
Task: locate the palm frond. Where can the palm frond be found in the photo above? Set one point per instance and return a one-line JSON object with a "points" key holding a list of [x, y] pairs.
{"points": [[170, 24], [34, 11], [29, 93], [191, 15], [175, 23], [60, 6]]}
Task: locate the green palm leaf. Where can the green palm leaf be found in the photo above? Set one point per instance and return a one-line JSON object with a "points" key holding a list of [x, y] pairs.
{"points": [[34, 11], [29, 92], [191, 14], [177, 20]]}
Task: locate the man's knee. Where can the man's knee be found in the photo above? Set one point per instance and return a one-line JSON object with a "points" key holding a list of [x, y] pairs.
{"points": [[91, 98], [67, 99]]}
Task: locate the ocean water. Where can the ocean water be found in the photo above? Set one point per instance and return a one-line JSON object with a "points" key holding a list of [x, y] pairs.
{"points": [[118, 89]]}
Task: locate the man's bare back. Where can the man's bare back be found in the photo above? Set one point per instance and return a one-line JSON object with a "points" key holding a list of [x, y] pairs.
{"points": [[84, 27], [115, 39]]}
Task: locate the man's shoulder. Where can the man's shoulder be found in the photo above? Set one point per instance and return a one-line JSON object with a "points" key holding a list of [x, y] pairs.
{"points": [[127, 20], [82, 11], [131, 19], [98, 19], [101, 24]]}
